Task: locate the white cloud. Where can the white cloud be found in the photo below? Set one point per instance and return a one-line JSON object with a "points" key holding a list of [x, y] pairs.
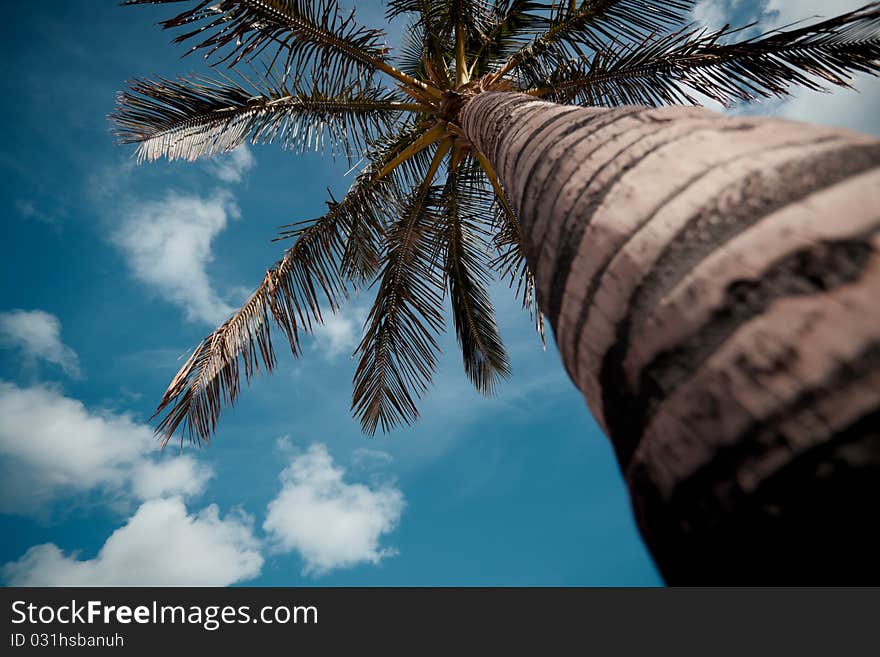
{"points": [[37, 334], [330, 523], [233, 166], [168, 246], [284, 444], [181, 475], [52, 445], [56, 443], [340, 332], [715, 14], [160, 545], [369, 459]]}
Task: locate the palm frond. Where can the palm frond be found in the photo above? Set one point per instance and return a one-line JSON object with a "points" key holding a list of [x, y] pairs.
{"points": [[314, 40], [438, 30], [365, 209], [422, 55], [511, 263], [211, 377], [398, 352], [573, 28], [512, 26], [431, 136], [311, 38], [410, 172], [192, 117], [425, 11], [669, 69], [423, 38], [442, 15], [330, 252], [466, 267]]}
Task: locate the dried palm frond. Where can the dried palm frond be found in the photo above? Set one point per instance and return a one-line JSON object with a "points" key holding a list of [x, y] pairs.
{"points": [[289, 293]]}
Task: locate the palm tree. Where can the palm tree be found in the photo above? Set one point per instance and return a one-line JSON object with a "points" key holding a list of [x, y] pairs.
{"points": [[732, 360]]}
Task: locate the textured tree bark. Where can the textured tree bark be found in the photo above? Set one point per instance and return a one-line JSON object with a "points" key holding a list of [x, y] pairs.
{"points": [[714, 288]]}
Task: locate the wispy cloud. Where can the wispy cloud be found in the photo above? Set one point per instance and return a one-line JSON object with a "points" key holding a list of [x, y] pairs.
{"points": [[341, 332], [168, 244], [53, 446], [160, 545], [330, 523], [28, 210], [370, 459], [232, 167], [37, 335]]}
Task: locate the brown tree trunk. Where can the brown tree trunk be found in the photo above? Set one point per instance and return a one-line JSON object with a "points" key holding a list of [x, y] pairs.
{"points": [[714, 288]]}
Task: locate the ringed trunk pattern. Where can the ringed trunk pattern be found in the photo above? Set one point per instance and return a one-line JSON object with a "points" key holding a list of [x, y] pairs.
{"points": [[714, 288]]}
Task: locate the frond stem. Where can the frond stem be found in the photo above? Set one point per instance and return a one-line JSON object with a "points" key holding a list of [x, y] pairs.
{"points": [[432, 136], [461, 67], [496, 185], [442, 149], [574, 14], [402, 77], [418, 108]]}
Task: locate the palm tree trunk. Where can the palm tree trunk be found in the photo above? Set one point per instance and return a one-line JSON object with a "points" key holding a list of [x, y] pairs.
{"points": [[714, 288]]}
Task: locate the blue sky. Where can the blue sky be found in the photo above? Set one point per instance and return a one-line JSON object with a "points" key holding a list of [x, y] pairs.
{"points": [[114, 271]]}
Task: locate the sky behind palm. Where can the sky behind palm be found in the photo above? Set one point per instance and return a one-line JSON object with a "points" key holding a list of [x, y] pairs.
{"points": [[113, 272]]}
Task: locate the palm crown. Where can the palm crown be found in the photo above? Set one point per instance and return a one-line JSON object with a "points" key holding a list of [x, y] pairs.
{"points": [[426, 214]]}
